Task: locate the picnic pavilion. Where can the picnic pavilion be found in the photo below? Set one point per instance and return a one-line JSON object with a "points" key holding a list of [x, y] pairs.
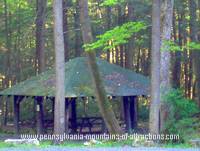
{"points": [[118, 82]]}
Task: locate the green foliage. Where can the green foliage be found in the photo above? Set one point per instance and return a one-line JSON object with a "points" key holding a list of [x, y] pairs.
{"points": [[89, 108], [194, 46], [112, 2], [187, 128], [169, 45], [182, 107], [143, 109], [115, 37], [180, 119]]}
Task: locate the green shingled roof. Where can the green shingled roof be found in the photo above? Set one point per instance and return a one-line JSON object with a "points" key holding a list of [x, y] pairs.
{"points": [[78, 81]]}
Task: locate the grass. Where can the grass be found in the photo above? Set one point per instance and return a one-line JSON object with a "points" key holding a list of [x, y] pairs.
{"points": [[6, 145], [79, 144], [183, 145]]}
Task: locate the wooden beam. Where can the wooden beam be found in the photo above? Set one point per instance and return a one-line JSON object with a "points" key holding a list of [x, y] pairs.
{"points": [[133, 111], [17, 100], [103, 127], [5, 110], [127, 113], [53, 109], [34, 112], [53, 106], [73, 113], [66, 116], [16, 106], [39, 114], [1, 110]]}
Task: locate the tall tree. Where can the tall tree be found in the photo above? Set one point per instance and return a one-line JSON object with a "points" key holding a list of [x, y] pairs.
{"points": [[129, 53], [8, 44], [155, 69], [108, 26], [102, 101], [59, 112], [8, 56], [78, 40], [166, 26], [176, 77], [40, 46], [40, 39], [195, 53], [65, 29]]}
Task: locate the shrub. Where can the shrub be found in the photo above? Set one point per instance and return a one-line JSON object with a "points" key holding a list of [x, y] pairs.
{"points": [[180, 120], [143, 109]]}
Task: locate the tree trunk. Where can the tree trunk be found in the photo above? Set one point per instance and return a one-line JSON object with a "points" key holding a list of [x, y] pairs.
{"points": [[190, 74], [17, 48], [155, 69], [40, 40], [177, 56], [130, 52], [102, 101], [108, 26], [8, 46], [166, 26], [119, 49], [78, 40], [186, 64], [195, 53], [59, 115], [7, 64], [65, 29]]}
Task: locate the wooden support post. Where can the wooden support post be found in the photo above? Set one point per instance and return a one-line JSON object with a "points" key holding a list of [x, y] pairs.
{"points": [[1, 111], [16, 113], [66, 116], [34, 112], [103, 127], [6, 110], [39, 114], [53, 108], [127, 113], [73, 113], [133, 111]]}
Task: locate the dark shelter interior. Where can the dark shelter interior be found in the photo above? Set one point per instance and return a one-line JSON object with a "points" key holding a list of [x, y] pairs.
{"points": [[119, 83]]}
